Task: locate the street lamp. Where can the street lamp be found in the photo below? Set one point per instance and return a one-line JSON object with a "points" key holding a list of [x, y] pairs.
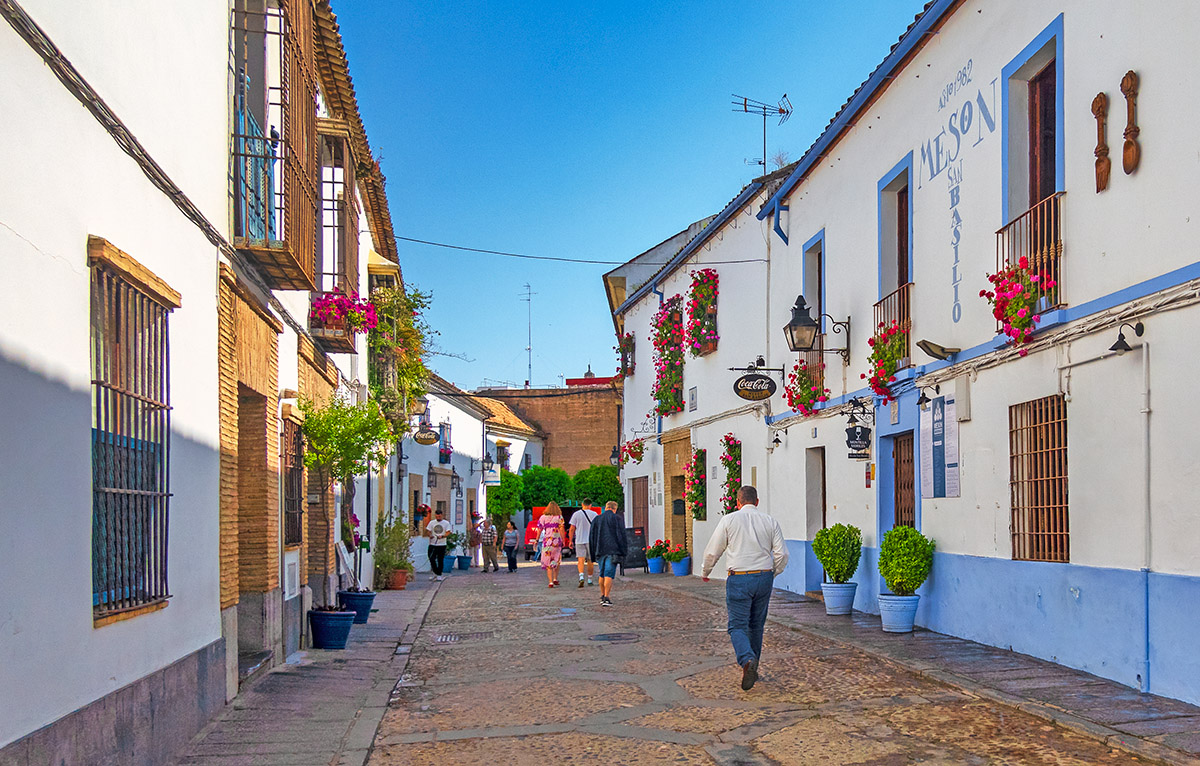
{"points": [[615, 457], [420, 406], [488, 463], [801, 331]]}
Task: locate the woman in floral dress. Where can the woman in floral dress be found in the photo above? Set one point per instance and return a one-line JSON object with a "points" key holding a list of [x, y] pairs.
{"points": [[551, 534]]}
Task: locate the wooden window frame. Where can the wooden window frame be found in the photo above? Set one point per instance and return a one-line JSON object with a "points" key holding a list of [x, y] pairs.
{"points": [[294, 495]]}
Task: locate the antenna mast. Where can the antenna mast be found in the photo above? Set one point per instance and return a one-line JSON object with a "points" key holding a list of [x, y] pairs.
{"points": [[527, 297], [750, 106]]}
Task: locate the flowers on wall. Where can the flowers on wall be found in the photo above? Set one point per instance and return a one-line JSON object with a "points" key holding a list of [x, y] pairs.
{"points": [[624, 348], [337, 307], [694, 495], [667, 337], [887, 346], [1017, 291], [803, 388], [731, 460], [632, 451], [702, 313]]}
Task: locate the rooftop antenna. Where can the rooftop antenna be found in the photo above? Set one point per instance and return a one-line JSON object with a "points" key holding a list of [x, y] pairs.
{"points": [[527, 297], [748, 105]]}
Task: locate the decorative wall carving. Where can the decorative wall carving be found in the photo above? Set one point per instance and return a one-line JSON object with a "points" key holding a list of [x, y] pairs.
{"points": [[1131, 152], [1103, 163]]}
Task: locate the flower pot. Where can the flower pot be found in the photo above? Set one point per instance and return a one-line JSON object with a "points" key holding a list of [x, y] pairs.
{"points": [[398, 580], [359, 602], [839, 597], [682, 568], [464, 562], [656, 564], [330, 629], [898, 613]]}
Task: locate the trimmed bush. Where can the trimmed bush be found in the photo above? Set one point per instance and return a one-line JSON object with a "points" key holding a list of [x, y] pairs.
{"points": [[905, 558], [838, 548]]}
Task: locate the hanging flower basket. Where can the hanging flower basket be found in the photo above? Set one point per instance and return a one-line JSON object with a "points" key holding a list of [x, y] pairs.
{"points": [[632, 451], [887, 347], [803, 390], [731, 460], [702, 313], [668, 358], [1015, 297], [335, 318], [625, 349]]}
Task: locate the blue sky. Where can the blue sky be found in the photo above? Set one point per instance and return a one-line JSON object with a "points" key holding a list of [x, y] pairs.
{"points": [[584, 131]]}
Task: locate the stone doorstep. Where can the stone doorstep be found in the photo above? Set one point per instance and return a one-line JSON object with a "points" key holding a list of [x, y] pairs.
{"points": [[1145, 748]]}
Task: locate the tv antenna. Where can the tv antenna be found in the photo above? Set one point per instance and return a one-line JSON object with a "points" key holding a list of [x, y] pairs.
{"points": [[527, 297], [748, 105]]}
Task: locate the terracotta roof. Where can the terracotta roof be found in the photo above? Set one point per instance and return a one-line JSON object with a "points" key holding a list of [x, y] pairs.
{"points": [[338, 89], [503, 416]]}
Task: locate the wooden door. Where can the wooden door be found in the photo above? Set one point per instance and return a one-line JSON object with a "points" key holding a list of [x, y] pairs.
{"points": [[1043, 131], [905, 500], [640, 489]]}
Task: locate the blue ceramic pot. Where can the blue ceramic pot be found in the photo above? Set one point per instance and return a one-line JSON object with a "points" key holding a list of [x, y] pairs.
{"points": [[655, 565], [839, 597], [682, 568], [898, 612], [330, 629], [464, 562], [359, 602]]}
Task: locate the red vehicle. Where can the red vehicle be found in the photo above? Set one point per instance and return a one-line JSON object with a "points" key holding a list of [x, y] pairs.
{"points": [[531, 531]]}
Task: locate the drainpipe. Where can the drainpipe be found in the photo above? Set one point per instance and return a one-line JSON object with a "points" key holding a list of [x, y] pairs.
{"points": [[766, 480]]}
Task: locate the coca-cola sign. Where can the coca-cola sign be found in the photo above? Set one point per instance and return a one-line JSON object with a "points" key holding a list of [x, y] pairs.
{"points": [[426, 436], [754, 387]]}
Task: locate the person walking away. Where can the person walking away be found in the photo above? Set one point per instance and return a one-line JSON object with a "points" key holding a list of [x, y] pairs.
{"points": [[752, 543], [487, 538], [581, 529], [552, 535], [512, 537], [608, 544], [439, 529]]}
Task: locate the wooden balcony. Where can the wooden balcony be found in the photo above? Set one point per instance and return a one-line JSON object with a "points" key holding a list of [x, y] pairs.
{"points": [[334, 336], [895, 307], [1037, 235]]}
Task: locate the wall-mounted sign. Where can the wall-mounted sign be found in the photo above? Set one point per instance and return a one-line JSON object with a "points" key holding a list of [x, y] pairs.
{"points": [[939, 449], [754, 387], [426, 436], [491, 478], [858, 440]]}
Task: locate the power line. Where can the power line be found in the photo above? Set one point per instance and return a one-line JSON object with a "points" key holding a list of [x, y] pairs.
{"points": [[554, 258]]}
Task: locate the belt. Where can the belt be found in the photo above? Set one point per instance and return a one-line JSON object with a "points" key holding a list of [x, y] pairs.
{"points": [[751, 571]]}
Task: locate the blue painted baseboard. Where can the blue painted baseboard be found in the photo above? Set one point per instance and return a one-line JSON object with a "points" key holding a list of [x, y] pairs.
{"points": [[1090, 618]]}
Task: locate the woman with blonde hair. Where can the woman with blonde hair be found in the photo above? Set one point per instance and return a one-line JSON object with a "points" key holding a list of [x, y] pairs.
{"points": [[552, 534]]}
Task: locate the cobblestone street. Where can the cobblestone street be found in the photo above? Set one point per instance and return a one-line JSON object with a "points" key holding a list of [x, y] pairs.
{"points": [[506, 670]]}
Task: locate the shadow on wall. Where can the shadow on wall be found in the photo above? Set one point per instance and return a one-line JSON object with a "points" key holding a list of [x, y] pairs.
{"points": [[47, 640]]}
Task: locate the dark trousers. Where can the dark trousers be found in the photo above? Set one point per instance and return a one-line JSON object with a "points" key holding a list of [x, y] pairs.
{"points": [[511, 552], [747, 597], [437, 558]]}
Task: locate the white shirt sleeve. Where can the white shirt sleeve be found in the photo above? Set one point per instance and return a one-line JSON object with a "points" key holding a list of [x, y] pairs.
{"points": [[716, 546], [779, 552]]}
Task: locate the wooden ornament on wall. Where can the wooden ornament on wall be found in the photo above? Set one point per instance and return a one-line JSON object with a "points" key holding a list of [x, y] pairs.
{"points": [[1103, 163], [1131, 152]]}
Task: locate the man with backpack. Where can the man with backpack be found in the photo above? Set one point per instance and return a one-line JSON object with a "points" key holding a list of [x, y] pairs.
{"points": [[581, 529]]}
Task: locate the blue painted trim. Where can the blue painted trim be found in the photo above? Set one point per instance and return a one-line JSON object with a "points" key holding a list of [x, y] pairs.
{"points": [[695, 244], [818, 238], [780, 207], [1053, 32], [904, 166], [863, 96]]}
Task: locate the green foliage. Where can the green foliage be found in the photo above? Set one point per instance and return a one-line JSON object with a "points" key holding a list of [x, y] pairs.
{"points": [[392, 548], [838, 549], [397, 345], [343, 440], [454, 541], [600, 483], [905, 558], [542, 484], [504, 500], [658, 549]]}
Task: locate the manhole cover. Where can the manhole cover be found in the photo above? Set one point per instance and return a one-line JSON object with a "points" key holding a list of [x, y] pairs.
{"points": [[616, 638], [454, 638]]}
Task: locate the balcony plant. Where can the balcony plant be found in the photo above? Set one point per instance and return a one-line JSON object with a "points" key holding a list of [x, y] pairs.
{"points": [[702, 313], [667, 338], [632, 451], [654, 555], [905, 560], [838, 548], [1016, 294], [731, 460], [625, 347], [803, 389], [694, 493], [347, 312], [444, 455], [887, 349], [680, 560]]}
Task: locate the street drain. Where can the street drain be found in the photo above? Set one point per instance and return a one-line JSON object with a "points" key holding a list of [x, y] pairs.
{"points": [[616, 638], [454, 638]]}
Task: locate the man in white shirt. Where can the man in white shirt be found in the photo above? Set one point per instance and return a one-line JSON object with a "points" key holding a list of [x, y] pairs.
{"points": [[581, 527], [438, 530], [752, 543]]}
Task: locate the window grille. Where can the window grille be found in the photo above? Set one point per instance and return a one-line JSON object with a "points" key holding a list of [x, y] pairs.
{"points": [[502, 458], [528, 460], [1037, 434], [293, 484], [131, 442]]}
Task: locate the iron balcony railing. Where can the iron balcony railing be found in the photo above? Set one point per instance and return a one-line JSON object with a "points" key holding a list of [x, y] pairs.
{"points": [[1036, 235], [814, 360], [895, 307]]}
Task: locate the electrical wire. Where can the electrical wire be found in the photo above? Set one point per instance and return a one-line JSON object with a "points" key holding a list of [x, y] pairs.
{"points": [[555, 258]]}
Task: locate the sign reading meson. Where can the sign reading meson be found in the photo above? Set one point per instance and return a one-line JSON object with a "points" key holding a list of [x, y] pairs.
{"points": [[754, 387], [425, 436]]}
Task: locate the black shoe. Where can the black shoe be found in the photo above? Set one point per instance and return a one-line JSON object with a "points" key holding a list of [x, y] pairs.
{"points": [[749, 675], [605, 601]]}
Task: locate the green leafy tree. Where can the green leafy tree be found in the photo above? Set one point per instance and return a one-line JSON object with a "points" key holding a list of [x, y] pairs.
{"points": [[542, 484], [600, 483], [504, 500]]}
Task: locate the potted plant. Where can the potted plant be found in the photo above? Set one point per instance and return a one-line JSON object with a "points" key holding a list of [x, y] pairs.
{"points": [[359, 600], [330, 626], [454, 545], [681, 560], [393, 560], [905, 559], [654, 555], [838, 548]]}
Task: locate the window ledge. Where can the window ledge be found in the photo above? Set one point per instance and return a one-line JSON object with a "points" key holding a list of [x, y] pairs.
{"points": [[100, 250], [128, 614]]}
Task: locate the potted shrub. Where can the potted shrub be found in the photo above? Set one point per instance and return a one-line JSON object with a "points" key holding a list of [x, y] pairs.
{"points": [[654, 555], [681, 560], [454, 545], [330, 626], [393, 560], [359, 600], [838, 548], [905, 559]]}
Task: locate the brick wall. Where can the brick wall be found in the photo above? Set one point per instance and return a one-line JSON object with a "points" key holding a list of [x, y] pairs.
{"points": [[582, 425], [228, 401]]}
